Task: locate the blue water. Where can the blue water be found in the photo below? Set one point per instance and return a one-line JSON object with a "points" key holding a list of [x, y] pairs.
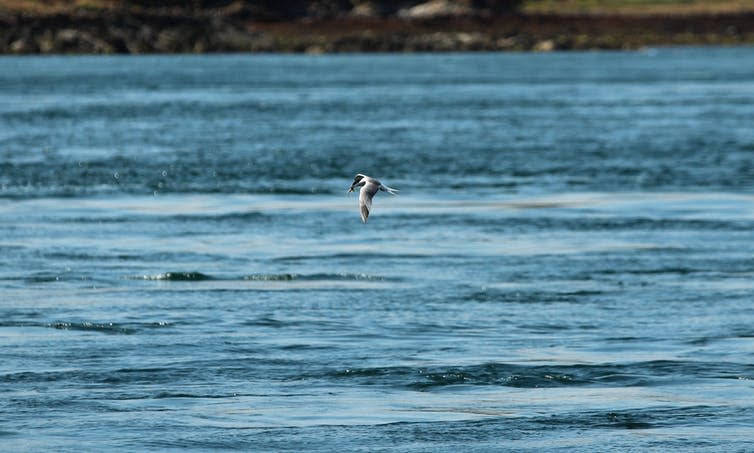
{"points": [[569, 265]]}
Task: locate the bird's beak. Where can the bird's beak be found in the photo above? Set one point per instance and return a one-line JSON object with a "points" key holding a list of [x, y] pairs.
{"points": [[350, 189]]}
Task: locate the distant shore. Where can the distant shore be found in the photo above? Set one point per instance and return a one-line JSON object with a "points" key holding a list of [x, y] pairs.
{"points": [[113, 32]]}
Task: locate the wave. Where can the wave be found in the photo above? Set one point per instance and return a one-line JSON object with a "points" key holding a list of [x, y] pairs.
{"points": [[318, 277], [231, 216], [356, 256], [273, 278], [107, 327], [546, 376], [85, 256], [42, 277], [59, 176], [196, 276], [88, 326], [125, 375], [178, 277], [531, 296], [635, 418]]}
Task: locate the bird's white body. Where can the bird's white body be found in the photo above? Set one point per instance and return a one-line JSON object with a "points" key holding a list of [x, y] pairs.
{"points": [[369, 187]]}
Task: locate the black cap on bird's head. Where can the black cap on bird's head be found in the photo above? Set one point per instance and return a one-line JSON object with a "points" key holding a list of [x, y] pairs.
{"points": [[356, 180]]}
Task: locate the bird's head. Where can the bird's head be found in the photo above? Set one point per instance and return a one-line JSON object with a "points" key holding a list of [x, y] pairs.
{"points": [[357, 181]]}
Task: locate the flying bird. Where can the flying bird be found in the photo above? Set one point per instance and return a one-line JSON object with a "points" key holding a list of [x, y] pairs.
{"points": [[369, 187]]}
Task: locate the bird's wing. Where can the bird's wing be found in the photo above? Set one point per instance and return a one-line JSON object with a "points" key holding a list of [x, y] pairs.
{"points": [[365, 199], [389, 190]]}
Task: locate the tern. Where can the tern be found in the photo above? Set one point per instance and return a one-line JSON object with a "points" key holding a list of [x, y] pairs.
{"points": [[369, 187]]}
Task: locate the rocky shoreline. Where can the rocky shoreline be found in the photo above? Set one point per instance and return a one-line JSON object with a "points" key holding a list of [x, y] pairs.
{"points": [[165, 32]]}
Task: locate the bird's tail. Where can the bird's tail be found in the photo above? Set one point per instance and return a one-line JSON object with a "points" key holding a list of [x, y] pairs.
{"points": [[390, 190]]}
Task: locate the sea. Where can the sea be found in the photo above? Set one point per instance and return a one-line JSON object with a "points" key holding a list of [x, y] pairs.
{"points": [[568, 266]]}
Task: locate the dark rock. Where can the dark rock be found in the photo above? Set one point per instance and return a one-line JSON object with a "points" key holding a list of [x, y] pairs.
{"points": [[23, 45], [76, 41]]}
